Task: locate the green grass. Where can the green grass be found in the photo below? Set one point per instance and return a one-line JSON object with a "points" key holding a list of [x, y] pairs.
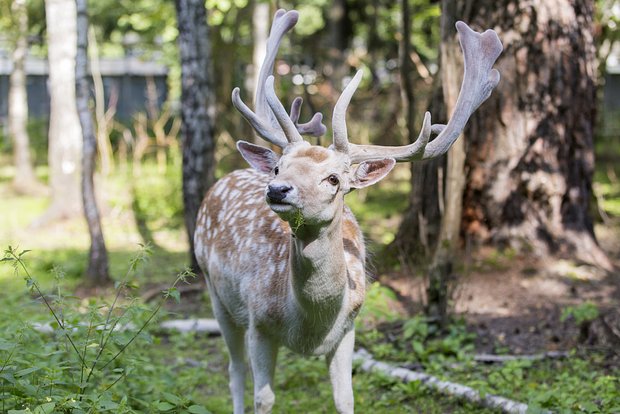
{"points": [[161, 373], [170, 373]]}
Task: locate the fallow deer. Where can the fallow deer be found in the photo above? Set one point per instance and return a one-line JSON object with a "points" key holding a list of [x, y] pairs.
{"points": [[283, 255]]}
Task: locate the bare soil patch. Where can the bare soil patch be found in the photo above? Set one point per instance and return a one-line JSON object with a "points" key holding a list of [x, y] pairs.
{"points": [[515, 304]]}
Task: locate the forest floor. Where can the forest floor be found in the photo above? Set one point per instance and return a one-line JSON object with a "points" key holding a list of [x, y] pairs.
{"points": [[510, 304], [526, 305]]}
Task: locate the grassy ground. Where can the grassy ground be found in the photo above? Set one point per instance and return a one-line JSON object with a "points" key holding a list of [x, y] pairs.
{"points": [[160, 369], [173, 373]]}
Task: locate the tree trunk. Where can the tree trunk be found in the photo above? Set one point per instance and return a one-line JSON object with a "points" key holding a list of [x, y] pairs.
{"points": [[25, 180], [440, 272], [419, 228], [260, 32], [65, 135], [97, 271], [530, 159], [197, 111]]}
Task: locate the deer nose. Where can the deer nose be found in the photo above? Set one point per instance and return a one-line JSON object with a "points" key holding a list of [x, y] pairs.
{"points": [[277, 192]]}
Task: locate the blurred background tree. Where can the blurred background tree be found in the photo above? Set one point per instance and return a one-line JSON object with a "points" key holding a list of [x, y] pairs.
{"points": [[528, 151]]}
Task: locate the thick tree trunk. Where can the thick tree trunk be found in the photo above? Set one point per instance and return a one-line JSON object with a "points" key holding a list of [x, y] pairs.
{"points": [[440, 272], [197, 111], [65, 135], [97, 271], [530, 158], [25, 180], [418, 230]]}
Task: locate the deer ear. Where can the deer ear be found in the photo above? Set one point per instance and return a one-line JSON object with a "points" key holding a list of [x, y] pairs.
{"points": [[370, 172], [260, 158]]}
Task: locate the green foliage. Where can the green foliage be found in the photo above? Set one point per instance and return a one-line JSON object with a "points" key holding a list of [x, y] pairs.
{"points": [[578, 384], [158, 199], [80, 364], [574, 385], [420, 341], [377, 304], [583, 313], [310, 17]]}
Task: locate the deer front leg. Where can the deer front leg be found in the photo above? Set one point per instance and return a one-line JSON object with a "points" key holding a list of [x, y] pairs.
{"points": [[339, 363], [263, 353], [234, 336]]}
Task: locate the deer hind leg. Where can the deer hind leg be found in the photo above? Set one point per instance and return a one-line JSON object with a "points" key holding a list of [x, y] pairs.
{"points": [[339, 363], [234, 336], [263, 353]]}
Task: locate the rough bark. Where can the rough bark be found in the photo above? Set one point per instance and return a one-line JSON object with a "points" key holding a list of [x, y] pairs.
{"points": [[440, 272], [530, 156], [417, 232], [25, 180], [65, 135], [97, 271], [196, 111]]}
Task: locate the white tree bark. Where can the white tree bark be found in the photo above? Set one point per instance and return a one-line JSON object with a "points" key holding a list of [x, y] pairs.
{"points": [[65, 133], [260, 31], [25, 180]]}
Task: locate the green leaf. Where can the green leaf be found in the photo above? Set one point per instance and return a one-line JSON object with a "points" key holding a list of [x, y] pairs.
{"points": [[418, 347], [165, 406], [46, 408], [175, 294], [198, 409], [8, 377], [26, 371], [107, 405], [6, 346], [171, 398]]}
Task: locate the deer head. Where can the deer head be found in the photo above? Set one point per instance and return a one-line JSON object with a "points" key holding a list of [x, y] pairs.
{"points": [[309, 182]]}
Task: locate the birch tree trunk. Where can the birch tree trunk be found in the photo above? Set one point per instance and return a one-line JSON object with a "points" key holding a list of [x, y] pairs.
{"points": [[530, 159], [65, 135], [260, 32], [197, 111], [25, 180], [97, 271]]}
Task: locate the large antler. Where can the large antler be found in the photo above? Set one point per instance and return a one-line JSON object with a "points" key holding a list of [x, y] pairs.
{"points": [[480, 51], [263, 121]]}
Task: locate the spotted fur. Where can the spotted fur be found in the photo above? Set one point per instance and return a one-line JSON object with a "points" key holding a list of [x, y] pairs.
{"points": [[244, 248]]}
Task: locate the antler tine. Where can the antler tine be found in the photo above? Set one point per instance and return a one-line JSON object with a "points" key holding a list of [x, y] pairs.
{"points": [[260, 125], [314, 127], [283, 21], [285, 121], [263, 121], [480, 51], [339, 122]]}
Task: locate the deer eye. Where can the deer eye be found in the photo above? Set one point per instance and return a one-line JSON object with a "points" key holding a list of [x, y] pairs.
{"points": [[276, 171], [333, 179]]}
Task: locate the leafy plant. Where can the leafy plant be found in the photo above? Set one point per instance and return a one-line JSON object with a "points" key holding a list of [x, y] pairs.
{"points": [[583, 313], [377, 304], [78, 359]]}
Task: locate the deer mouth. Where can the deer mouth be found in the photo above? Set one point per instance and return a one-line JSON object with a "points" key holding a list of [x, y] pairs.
{"points": [[280, 206]]}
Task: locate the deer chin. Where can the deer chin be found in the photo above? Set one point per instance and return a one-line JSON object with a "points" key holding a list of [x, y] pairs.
{"points": [[281, 207]]}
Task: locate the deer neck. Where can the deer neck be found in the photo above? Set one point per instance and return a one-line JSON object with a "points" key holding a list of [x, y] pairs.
{"points": [[318, 269]]}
